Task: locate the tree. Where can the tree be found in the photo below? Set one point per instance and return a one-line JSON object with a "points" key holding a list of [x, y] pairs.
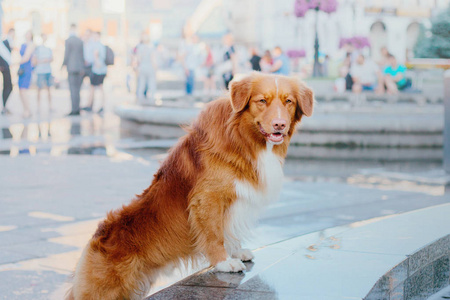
{"points": [[436, 42]]}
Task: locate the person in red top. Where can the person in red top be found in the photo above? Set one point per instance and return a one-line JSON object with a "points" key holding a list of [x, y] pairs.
{"points": [[266, 62], [209, 84]]}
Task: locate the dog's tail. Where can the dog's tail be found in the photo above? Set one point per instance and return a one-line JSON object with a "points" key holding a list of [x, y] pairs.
{"points": [[97, 278]]}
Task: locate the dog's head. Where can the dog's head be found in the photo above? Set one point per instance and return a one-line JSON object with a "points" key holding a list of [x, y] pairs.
{"points": [[271, 104]]}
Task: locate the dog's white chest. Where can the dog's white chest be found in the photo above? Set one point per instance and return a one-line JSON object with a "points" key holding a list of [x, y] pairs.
{"points": [[270, 173], [251, 200]]}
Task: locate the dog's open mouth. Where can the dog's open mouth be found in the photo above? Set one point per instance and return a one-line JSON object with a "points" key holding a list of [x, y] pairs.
{"points": [[275, 137]]}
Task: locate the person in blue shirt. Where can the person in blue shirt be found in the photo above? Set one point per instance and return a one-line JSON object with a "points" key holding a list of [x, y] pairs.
{"points": [[394, 76], [281, 64], [26, 67]]}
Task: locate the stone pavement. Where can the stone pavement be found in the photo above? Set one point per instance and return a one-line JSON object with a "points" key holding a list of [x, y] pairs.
{"points": [[61, 175], [340, 263]]}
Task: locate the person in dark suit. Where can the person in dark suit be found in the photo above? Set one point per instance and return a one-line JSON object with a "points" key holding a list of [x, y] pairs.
{"points": [[5, 61], [74, 62]]}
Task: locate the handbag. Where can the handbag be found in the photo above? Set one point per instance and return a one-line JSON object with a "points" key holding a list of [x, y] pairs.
{"points": [[21, 71]]}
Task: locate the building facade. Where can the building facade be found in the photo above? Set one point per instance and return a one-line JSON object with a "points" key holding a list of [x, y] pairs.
{"points": [[394, 24]]}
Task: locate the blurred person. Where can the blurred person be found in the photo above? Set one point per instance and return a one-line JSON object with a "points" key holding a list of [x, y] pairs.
{"points": [[281, 63], [88, 52], [209, 83], [384, 60], [366, 76], [188, 56], [255, 60], [43, 56], [134, 64], [5, 61], [350, 51], [25, 70], [229, 65], [146, 70], [394, 78], [74, 62], [325, 65], [99, 70], [344, 81], [266, 62], [344, 72]]}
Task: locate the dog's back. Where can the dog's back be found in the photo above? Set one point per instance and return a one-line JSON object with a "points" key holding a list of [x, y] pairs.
{"points": [[135, 242]]}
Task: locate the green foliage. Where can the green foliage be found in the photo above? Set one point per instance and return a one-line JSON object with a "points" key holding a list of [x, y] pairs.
{"points": [[438, 44]]}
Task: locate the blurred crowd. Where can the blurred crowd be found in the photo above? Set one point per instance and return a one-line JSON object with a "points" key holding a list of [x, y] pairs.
{"points": [[359, 73], [86, 59], [33, 59], [201, 61]]}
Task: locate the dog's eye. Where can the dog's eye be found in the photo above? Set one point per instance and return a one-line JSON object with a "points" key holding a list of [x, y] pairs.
{"points": [[263, 101], [288, 101]]}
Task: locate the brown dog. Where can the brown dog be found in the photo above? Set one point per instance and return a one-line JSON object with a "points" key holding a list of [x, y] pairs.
{"points": [[205, 195]]}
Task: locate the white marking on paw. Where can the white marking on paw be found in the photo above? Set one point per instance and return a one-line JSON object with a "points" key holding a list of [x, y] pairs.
{"points": [[230, 265], [244, 255]]}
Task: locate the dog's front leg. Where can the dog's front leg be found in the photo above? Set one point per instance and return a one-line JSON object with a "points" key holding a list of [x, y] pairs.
{"points": [[207, 223], [234, 248], [243, 254]]}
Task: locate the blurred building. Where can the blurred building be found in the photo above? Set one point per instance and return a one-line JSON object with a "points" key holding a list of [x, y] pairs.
{"points": [[164, 20], [41, 16], [263, 23], [391, 23], [116, 19]]}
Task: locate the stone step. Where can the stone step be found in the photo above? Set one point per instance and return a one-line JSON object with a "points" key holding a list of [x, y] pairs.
{"points": [[377, 127]]}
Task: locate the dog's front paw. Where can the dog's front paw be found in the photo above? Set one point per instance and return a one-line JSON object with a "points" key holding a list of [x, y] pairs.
{"points": [[230, 265], [243, 255]]}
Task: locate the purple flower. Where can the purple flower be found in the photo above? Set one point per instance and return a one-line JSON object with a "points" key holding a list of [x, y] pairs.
{"points": [[296, 53], [313, 4], [358, 42], [328, 6], [302, 6]]}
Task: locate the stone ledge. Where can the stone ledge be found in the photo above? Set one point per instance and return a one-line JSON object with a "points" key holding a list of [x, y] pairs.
{"points": [[339, 263], [421, 275], [372, 127], [357, 99], [374, 121]]}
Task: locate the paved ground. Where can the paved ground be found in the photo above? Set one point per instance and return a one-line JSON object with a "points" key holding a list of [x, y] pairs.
{"points": [[371, 260], [61, 175]]}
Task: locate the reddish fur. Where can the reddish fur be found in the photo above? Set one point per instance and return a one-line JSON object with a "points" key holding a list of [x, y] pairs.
{"points": [[182, 213]]}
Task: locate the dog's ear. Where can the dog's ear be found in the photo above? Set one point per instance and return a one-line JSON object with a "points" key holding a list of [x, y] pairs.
{"points": [[305, 99], [240, 92]]}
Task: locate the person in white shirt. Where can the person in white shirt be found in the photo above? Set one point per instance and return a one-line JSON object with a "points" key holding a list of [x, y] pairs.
{"points": [[366, 76], [146, 67], [42, 58], [99, 70], [188, 54]]}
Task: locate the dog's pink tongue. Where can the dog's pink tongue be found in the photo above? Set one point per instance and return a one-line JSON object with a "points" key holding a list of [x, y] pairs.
{"points": [[276, 138]]}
